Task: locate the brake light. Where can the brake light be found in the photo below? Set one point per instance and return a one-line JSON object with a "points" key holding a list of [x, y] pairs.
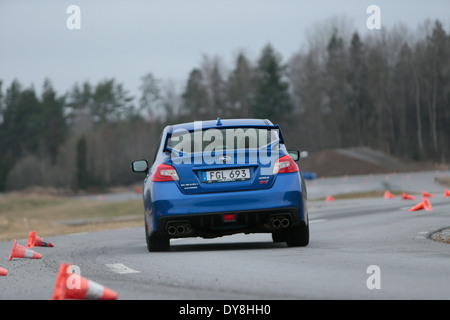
{"points": [[165, 172], [285, 164]]}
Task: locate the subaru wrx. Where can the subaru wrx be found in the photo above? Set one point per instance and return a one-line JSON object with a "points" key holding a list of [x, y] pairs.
{"points": [[222, 177]]}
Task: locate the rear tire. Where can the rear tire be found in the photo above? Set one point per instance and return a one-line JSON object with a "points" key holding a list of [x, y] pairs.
{"points": [[279, 236], [156, 243], [298, 236]]}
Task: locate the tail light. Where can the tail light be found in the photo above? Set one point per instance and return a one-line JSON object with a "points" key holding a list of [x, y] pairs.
{"points": [[285, 164], [165, 172]]}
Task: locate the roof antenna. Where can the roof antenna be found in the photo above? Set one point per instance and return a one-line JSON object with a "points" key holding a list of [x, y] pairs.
{"points": [[219, 123]]}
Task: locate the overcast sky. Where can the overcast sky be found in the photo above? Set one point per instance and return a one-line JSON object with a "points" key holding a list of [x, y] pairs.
{"points": [[127, 39]]}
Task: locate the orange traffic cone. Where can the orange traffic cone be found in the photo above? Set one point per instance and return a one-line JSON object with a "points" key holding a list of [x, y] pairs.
{"points": [[3, 272], [388, 195], [73, 286], [446, 193], [424, 204], [329, 198], [427, 204], [427, 195], [19, 251], [406, 196], [35, 240]]}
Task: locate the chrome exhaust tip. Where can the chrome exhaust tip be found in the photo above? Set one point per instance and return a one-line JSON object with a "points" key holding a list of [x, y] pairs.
{"points": [[285, 222], [180, 229], [171, 230], [276, 223]]}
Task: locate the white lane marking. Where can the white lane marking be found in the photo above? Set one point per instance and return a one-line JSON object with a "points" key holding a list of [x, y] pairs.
{"points": [[317, 220], [421, 235], [120, 268]]}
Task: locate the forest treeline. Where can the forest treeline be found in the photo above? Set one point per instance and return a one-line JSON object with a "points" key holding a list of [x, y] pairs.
{"points": [[389, 91]]}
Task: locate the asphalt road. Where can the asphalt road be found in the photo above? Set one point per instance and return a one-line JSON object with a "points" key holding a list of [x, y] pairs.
{"points": [[348, 238]]}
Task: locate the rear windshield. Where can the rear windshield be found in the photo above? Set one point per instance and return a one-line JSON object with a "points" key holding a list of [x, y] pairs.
{"points": [[221, 139]]}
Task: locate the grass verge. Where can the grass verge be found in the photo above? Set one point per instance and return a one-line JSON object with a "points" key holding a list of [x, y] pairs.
{"points": [[49, 215], [363, 194]]}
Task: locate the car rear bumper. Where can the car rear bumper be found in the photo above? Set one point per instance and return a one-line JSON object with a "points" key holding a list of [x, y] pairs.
{"points": [[204, 214], [226, 223]]}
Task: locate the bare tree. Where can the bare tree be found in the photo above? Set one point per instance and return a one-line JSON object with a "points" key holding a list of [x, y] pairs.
{"points": [[215, 85], [150, 100]]}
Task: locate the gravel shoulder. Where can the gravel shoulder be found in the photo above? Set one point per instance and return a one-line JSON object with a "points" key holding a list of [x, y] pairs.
{"points": [[441, 235]]}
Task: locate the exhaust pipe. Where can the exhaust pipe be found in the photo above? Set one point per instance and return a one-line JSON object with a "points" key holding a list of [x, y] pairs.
{"points": [[172, 230], [285, 222], [178, 228], [276, 223], [280, 222]]}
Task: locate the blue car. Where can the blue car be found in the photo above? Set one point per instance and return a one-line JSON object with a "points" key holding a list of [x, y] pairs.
{"points": [[221, 177]]}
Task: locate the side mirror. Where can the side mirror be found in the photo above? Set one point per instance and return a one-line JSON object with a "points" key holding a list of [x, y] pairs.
{"points": [[295, 154], [139, 166]]}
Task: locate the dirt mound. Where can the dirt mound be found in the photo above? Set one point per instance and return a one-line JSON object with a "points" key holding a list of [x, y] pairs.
{"points": [[352, 161]]}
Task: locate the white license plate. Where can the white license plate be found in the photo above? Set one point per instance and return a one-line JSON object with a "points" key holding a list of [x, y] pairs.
{"points": [[226, 175]]}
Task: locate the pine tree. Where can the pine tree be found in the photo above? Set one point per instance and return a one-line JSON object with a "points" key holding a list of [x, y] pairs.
{"points": [[81, 174], [53, 126], [240, 88], [359, 103], [272, 99], [195, 97]]}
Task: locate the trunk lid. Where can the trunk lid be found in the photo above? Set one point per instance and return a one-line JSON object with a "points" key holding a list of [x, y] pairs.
{"points": [[238, 171]]}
